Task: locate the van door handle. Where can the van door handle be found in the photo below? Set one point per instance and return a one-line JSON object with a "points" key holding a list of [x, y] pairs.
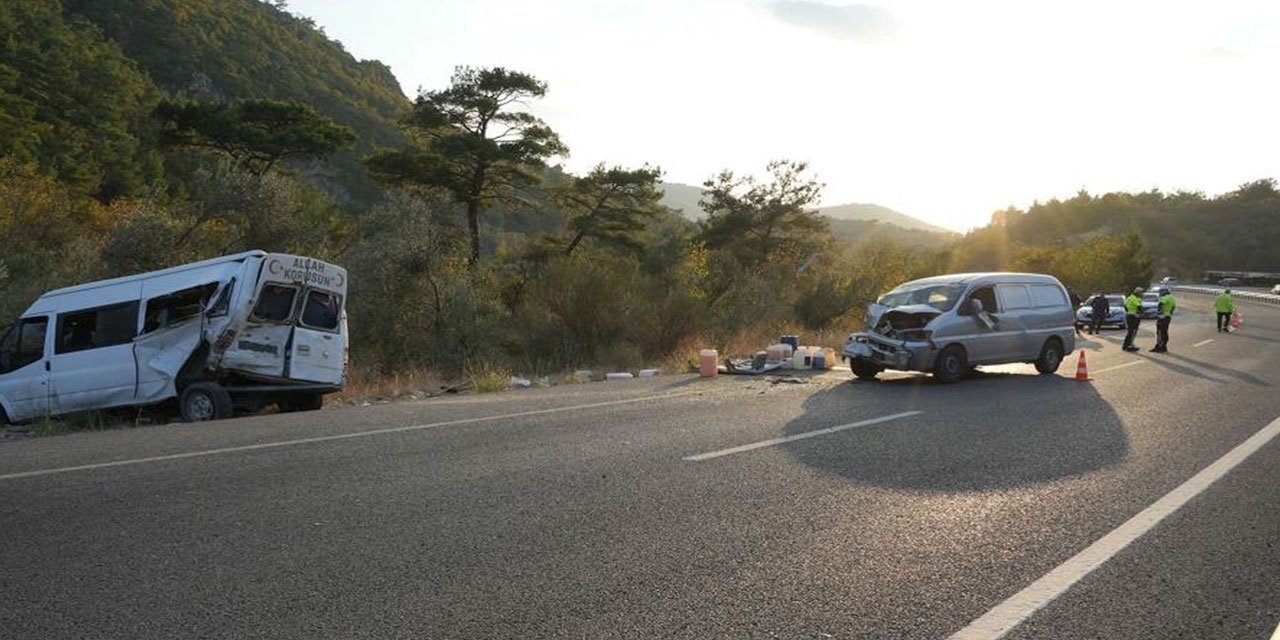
{"points": [[46, 366]]}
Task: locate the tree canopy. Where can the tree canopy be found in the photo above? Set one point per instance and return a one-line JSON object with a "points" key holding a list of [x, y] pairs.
{"points": [[473, 141]]}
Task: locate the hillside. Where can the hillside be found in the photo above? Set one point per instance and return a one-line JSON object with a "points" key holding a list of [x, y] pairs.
{"points": [[234, 49], [852, 222], [875, 212]]}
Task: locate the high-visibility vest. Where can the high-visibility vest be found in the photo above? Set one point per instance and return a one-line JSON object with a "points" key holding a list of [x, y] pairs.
{"points": [[1132, 305], [1223, 303], [1167, 303]]}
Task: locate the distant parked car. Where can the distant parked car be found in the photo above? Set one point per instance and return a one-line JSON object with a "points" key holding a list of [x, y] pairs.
{"points": [[1168, 281], [1084, 315], [1229, 281]]}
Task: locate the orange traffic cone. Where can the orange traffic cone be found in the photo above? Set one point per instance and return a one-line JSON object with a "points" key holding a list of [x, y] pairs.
{"points": [[1082, 369]]}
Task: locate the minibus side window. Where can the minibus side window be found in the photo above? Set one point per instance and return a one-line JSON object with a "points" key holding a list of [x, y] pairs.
{"points": [[275, 304], [97, 328], [24, 344]]}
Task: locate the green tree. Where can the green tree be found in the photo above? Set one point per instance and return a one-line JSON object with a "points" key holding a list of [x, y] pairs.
{"points": [[759, 222], [256, 133], [611, 205], [472, 141]]}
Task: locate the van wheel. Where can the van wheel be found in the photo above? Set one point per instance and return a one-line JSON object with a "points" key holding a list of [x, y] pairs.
{"points": [[951, 365], [1050, 357], [301, 402], [204, 401], [864, 369]]}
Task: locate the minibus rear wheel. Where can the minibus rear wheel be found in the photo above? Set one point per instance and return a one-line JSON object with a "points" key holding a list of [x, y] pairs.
{"points": [[204, 401]]}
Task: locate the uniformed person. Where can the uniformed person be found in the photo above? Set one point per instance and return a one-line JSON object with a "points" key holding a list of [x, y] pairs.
{"points": [[1224, 305], [1133, 317], [1166, 306]]}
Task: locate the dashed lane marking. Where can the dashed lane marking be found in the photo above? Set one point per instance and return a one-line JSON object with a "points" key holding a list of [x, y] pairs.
{"points": [[1121, 366], [343, 436], [1017, 609], [1202, 343], [799, 436]]}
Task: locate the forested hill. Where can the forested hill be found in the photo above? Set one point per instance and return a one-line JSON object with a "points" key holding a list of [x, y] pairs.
{"points": [[79, 79], [1185, 232]]}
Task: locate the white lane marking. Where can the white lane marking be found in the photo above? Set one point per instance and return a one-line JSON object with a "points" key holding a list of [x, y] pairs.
{"points": [[1275, 635], [1202, 343], [799, 436], [1014, 611], [1121, 366], [344, 436]]}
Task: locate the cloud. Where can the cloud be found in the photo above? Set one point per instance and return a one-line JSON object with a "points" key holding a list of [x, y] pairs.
{"points": [[857, 22]]}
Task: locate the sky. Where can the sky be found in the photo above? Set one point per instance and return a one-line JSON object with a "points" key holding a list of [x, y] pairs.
{"points": [[946, 111]]}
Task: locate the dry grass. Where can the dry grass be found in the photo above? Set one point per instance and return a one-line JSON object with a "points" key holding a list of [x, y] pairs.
{"points": [[365, 384]]}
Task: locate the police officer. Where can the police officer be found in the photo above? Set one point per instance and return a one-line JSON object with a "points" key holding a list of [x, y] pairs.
{"points": [[1166, 307], [1224, 305], [1133, 317], [1101, 309]]}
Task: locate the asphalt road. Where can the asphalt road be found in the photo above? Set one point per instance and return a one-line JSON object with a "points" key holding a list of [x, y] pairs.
{"points": [[637, 510]]}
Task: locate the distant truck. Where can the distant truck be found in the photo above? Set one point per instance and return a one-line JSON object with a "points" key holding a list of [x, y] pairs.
{"points": [[237, 332]]}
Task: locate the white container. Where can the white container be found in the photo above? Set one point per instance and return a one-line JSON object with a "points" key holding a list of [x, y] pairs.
{"points": [[802, 359], [648, 373], [618, 376]]}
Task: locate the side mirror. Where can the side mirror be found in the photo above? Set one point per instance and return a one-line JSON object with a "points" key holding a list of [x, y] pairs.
{"points": [[977, 307]]}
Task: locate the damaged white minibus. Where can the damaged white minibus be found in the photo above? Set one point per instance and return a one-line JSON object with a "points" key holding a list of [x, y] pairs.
{"points": [[236, 332]]}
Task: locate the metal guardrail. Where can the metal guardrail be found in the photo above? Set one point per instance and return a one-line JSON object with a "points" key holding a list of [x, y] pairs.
{"points": [[1236, 294]]}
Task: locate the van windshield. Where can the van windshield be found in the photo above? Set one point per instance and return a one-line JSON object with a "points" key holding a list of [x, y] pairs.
{"points": [[939, 296]]}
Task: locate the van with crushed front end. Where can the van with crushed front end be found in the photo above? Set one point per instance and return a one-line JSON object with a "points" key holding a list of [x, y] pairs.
{"points": [[235, 332], [949, 324]]}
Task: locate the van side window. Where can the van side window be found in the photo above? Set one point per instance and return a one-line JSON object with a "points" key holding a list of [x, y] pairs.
{"points": [[275, 304], [175, 307], [1047, 295], [1013, 296], [322, 310], [24, 344], [988, 297], [97, 328]]}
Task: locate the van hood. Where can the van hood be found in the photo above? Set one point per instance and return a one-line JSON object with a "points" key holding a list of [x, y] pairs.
{"points": [[904, 323]]}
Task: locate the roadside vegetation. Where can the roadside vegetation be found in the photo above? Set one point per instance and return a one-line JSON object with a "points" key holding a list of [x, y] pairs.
{"points": [[129, 145]]}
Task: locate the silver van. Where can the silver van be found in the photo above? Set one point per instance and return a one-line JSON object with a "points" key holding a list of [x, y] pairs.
{"points": [[949, 324]]}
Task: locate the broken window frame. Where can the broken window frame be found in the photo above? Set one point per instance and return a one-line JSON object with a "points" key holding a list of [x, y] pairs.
{"points": [[162, 302], [293, 304], [306, 304]]}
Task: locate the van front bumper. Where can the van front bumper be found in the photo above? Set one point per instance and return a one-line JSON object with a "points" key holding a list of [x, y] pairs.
{"points": [[902, 355]]}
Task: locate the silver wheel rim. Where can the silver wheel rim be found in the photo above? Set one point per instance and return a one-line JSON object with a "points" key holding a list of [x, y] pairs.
{"points": [[200, 407]]}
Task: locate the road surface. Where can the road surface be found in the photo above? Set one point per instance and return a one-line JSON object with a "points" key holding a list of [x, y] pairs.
{"points": [[1143, 504]]}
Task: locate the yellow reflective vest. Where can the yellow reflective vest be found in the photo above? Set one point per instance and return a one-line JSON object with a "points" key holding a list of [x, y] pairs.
{"points": [[1223, 303], [1133, 305]]}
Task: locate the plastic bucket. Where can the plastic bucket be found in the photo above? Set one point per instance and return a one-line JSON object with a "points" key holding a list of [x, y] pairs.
{"points": [[708, 361]]}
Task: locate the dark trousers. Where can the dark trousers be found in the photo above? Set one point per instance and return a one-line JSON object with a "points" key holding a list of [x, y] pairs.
{"points": [[1096, 324], [1133, 322], [1162, 334], [1224, 320]]}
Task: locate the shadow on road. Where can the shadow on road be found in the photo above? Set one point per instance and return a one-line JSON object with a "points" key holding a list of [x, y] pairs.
{"points": [[993, 431], [1162, 360]]}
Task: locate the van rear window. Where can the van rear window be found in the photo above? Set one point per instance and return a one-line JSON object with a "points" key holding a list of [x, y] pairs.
{"points": [[275, 304], [322, 310]]}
